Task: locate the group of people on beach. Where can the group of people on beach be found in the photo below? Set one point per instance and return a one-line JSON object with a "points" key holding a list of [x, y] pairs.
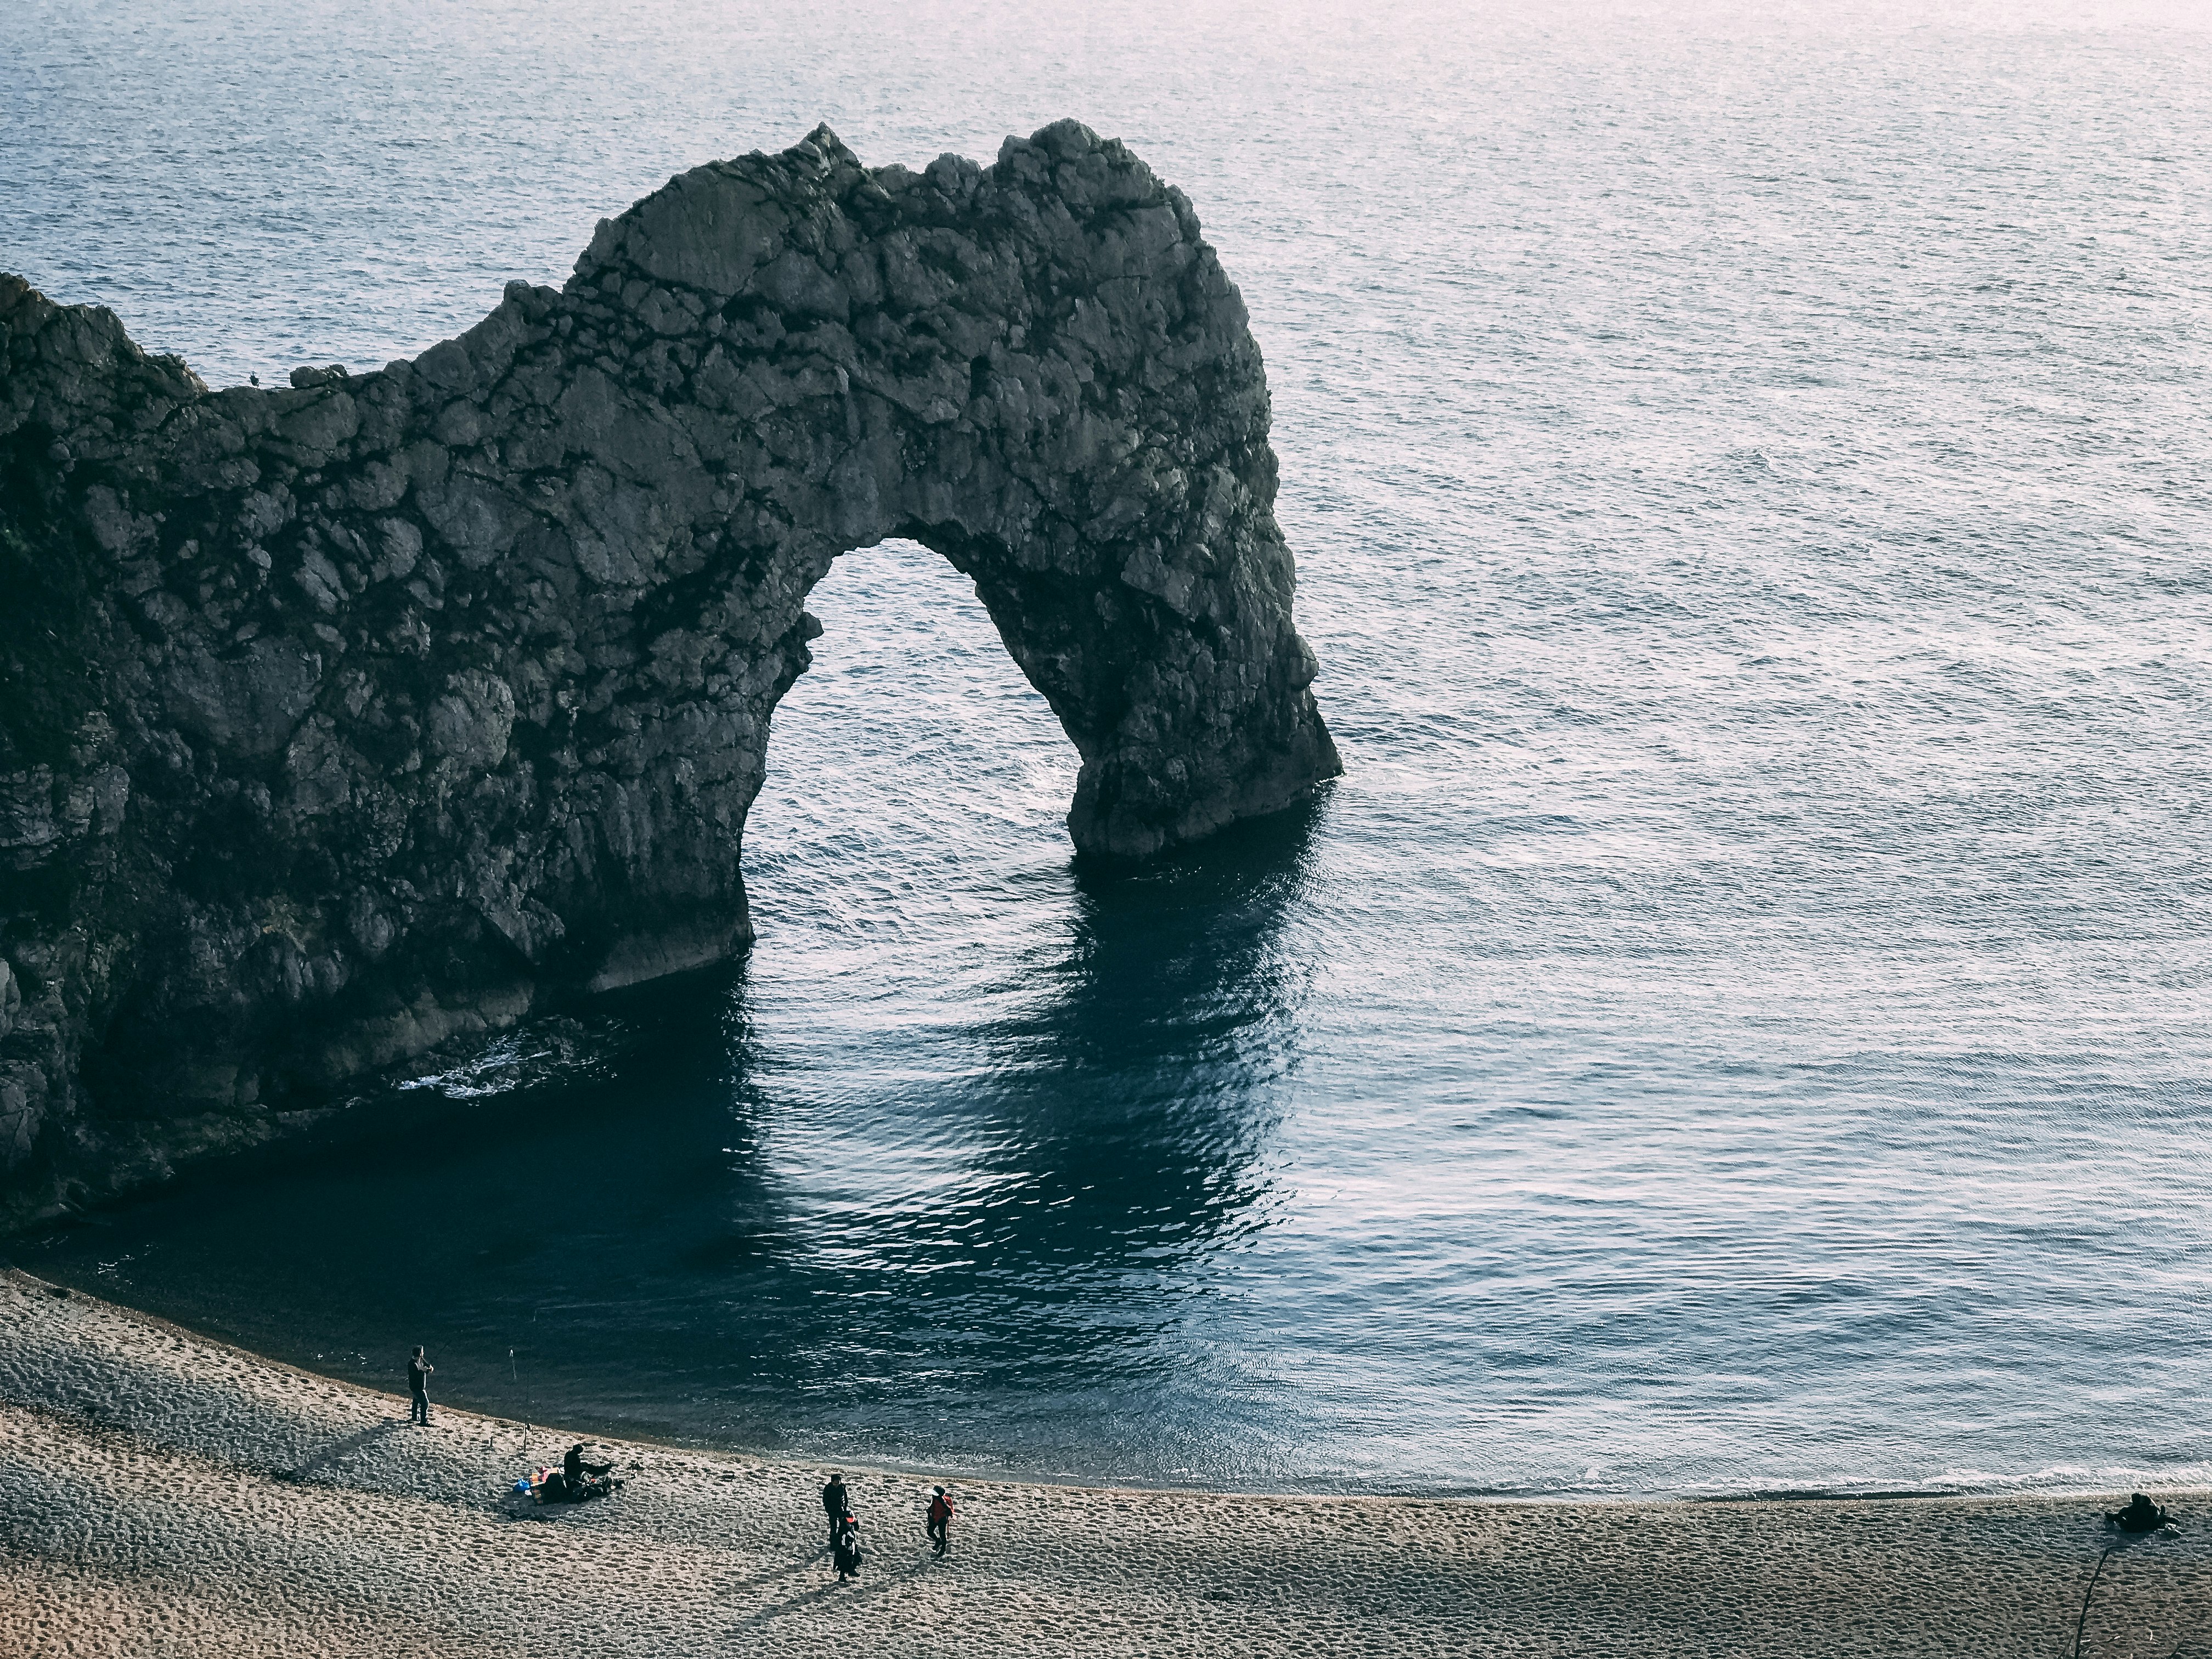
{"points": [[845, 1526], [578, 1479]]}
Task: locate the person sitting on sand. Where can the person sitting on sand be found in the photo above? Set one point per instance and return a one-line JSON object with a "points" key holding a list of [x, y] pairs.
{"points": [[575, 1468], [576, 1480], [847, 1548], [2139, 1515]]}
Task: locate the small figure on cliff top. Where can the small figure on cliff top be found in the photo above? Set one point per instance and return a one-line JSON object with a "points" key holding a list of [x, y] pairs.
{"points": [[940, 1521], [834, 1502], [418, 1385]]}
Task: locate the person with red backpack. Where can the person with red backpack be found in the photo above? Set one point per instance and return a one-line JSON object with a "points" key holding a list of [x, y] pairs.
{"points": [[940, 1521]]}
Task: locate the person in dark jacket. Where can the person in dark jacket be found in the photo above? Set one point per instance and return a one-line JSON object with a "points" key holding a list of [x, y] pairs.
{"points": [[940, 1521], [418, 1386], [576, 1480], [845, 1546], [835, 1502]]}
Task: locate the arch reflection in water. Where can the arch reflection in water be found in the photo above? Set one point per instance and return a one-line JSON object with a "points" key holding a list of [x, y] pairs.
{"points": [[1007, 1234], [1012, 1113]]}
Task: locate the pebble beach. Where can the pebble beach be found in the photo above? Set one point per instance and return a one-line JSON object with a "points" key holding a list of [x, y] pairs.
{"points": [[163, 1494]]}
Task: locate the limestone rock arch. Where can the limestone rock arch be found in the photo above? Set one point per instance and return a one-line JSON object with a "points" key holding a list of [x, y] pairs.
{"points": [[356, 714]]}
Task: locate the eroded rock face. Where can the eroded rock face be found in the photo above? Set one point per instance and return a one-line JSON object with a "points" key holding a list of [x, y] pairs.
{"points": [[344, 718]]}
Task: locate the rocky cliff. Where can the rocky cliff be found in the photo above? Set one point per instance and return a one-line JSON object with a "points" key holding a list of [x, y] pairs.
{"points": [[338, 720]]}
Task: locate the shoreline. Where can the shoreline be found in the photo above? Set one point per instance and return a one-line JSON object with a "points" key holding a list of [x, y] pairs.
{"points": [[164, 1494], [601, 1430], [672, 1441]]}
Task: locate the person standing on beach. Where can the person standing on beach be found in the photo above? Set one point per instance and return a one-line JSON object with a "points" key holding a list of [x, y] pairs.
{"points": [[845, 1545], [418, 1385], [940, 1521], [833, 1503]]}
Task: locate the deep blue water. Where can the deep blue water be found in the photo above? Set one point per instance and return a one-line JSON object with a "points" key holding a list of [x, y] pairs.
{"points": [[1740, 1023]]}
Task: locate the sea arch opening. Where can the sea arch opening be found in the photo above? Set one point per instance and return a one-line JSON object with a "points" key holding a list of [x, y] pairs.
{"points": [[979, 1068], [913, 773]]}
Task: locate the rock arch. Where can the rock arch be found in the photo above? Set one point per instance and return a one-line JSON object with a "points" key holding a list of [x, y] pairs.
{"points": [[367, 712]]}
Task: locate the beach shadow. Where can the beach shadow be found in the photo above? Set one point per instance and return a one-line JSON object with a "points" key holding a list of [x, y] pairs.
{"points": [[773, 1573], [870, 1587], [878, 1583], [777, 1609], [517, 1507], [337, 1451]]}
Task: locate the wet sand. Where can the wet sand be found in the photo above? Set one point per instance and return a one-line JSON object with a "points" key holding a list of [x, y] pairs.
{"points": [[162, 1494]]}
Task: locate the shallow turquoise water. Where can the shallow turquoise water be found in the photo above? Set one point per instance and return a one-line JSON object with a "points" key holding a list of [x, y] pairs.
{"points": [[1740, 1023]]}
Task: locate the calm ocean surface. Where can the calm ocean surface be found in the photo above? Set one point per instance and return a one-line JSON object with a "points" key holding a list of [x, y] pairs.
{"points": [[1742, 1023]]}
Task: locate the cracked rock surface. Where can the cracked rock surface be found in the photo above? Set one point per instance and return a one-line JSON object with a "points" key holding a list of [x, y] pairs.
{"points": [[347, 719]]}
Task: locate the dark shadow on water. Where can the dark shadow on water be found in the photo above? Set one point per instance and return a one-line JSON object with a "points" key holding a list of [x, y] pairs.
{"points": [[639, 1235], [1143, 1078]]}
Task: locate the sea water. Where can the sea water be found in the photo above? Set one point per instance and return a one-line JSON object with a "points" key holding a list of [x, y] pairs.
{"points": [[1740, 1023]]}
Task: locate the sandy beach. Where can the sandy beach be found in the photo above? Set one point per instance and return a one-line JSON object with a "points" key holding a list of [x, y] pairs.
{"points": [[163, 1494]]}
